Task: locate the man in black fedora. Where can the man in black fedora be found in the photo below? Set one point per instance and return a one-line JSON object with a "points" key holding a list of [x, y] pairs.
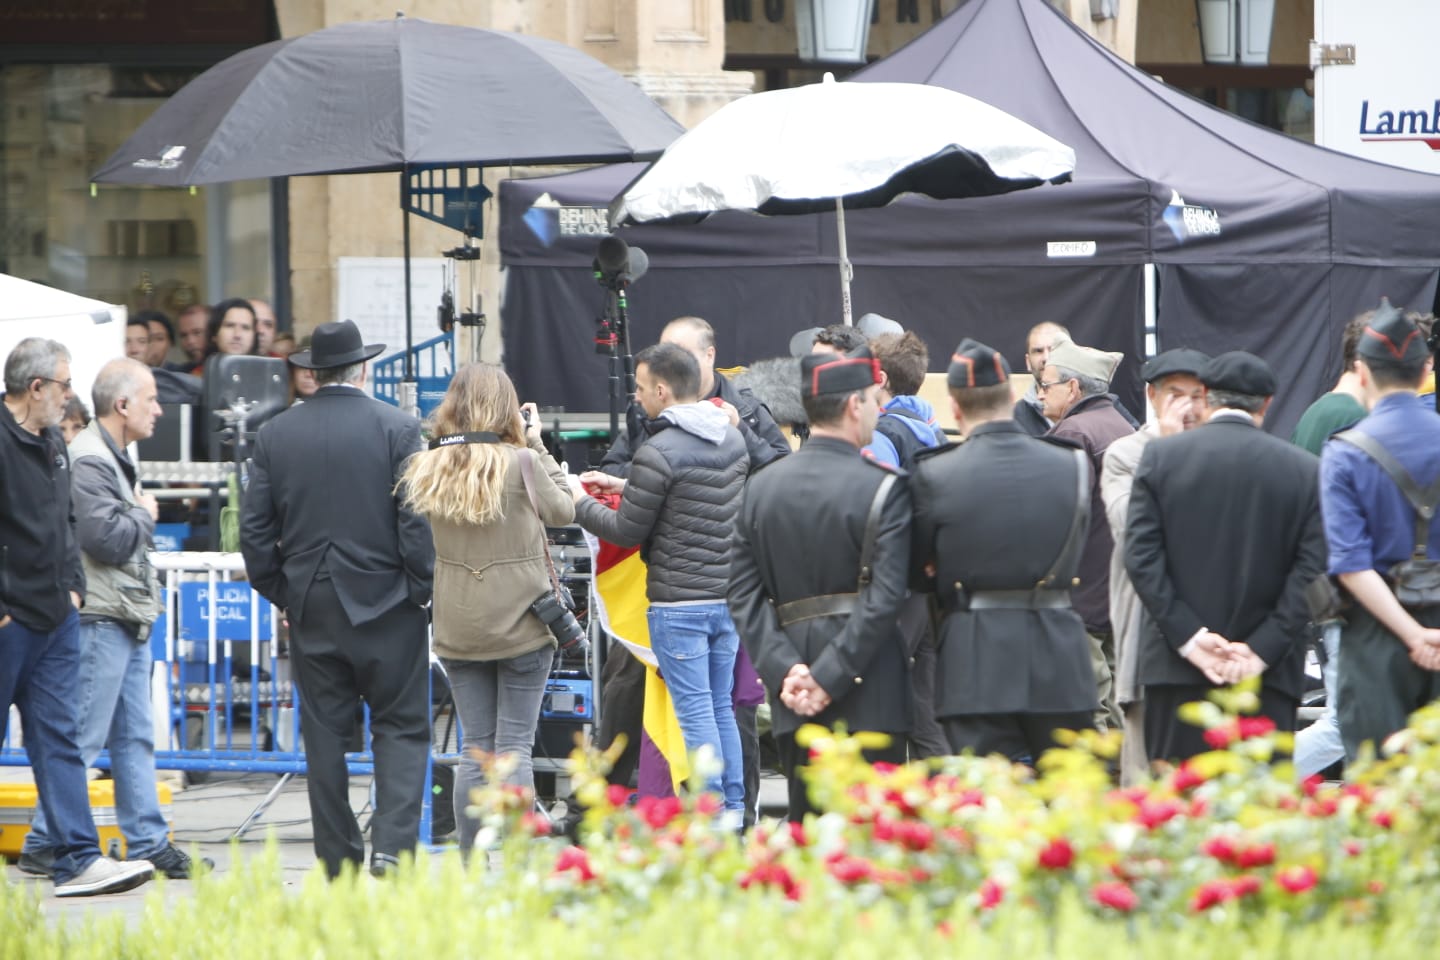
{"points": [[325, 538]]}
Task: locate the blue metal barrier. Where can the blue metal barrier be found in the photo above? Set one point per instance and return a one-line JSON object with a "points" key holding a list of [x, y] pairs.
{"points": [[434, 365], [216, 719]]}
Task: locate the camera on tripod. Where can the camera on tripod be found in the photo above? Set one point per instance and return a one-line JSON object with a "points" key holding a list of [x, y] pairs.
{"points": [[557, 616]]}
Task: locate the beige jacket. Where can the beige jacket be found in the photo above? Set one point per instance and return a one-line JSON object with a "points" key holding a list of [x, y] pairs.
{"points": [[487, 577]]}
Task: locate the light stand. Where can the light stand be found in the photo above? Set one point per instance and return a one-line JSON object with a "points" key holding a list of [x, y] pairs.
{"points": [[617, 265]]}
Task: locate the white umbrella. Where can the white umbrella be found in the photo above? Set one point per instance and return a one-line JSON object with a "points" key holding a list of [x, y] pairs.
{"points": [[835, 145]]}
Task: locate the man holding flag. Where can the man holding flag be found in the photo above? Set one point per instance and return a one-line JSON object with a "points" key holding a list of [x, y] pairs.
{"points": [[679, 505]]}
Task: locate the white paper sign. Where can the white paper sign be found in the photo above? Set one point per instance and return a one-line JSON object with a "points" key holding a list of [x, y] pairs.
{"points": [[371, 292]]}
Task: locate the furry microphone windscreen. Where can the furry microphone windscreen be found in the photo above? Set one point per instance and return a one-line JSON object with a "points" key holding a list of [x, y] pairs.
{"points": [[776, 383]]}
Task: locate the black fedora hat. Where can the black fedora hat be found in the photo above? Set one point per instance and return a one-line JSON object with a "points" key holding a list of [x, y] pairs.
{"points": [[335, 345]]}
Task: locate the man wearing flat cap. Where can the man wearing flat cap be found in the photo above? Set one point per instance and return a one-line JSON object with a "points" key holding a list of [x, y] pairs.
{"points": [[819, 568], [325, 538], [1014, 663], [1177, 396], [1222, 540], [1390, 644], [1074, 388]]}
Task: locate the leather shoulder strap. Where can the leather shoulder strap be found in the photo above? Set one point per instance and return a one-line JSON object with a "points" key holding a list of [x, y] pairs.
{"points": [[1423, 501], [872, 527], [1074, 538]]}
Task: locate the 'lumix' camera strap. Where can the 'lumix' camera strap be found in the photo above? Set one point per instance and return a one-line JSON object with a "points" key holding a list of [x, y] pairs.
{"points": [[451, 439]]}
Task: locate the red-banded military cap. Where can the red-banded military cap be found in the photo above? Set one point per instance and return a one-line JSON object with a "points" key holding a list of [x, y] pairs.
{"points": [[1390, 338], [975, 365], [822, 373]]}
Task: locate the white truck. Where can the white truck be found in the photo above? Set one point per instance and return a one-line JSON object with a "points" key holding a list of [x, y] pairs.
{"points": [[1376, 94]]}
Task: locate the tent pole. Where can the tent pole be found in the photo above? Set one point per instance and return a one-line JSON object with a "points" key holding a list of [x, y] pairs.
{"points": [[1152, 345], [409, 399], [846, 272]]}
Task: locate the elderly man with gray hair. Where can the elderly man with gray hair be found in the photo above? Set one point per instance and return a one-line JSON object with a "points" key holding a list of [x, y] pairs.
{"points": [[1074, 387], [42, 586], [115, 527]]}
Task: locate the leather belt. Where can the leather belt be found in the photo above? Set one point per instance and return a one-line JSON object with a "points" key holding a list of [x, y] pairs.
{"points": [[1038, 599], [829, 605]]}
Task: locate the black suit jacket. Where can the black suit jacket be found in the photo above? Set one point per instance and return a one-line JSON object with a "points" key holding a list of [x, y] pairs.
{"points": [[993, 514], [1224, 533], [321, 494], [799, 535]]}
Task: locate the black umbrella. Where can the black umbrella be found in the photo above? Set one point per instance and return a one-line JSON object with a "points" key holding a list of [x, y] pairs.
{"points": [[392, 95]]}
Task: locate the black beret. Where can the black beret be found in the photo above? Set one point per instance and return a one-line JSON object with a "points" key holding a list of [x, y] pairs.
{"points": [[1181, 360], [975, 365], [822, 373], [1239, 372], [1390, 338]]}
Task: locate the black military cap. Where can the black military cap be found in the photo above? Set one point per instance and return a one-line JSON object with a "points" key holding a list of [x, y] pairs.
{"points": [[975, 365], [1239, 372], [1390, 338], [1180, 360], [822, 373]]}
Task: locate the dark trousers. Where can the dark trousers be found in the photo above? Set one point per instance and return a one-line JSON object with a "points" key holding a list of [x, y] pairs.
{"points": [[927, 739], [337, 665], [1167, 737], [794, 758], [1022, 737], [1379, 685], [622, 709]]}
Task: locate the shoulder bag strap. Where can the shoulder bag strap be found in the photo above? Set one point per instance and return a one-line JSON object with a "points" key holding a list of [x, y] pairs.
{"points": [[1074, 540], [872, 528], [1423, 501], [525, 457]]}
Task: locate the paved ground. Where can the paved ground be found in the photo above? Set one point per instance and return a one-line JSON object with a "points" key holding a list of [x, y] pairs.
{"points": [[206, 816]]}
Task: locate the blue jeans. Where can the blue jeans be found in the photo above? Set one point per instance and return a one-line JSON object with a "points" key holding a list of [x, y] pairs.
{"points": [[696, 646], [39, 673], [114, 711], [498, 702], [1319, 745]]}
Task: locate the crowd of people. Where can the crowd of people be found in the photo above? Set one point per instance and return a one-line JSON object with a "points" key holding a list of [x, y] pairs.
{"points": [[1054, 566]]}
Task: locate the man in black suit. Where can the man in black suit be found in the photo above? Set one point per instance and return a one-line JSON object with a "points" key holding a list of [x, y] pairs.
{"points": [[1014, 656], [325, 538], [816, 608], [1222, 539]]}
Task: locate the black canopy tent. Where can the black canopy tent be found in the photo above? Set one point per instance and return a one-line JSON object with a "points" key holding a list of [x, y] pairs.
{"points": [[1243, 237]]}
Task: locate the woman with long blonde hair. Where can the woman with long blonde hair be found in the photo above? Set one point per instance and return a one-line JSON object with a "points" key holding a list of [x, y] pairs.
{"points": [[490, 566]]}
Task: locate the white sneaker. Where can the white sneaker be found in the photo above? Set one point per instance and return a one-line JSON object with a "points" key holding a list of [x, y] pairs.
{"points": [[104, 875]]}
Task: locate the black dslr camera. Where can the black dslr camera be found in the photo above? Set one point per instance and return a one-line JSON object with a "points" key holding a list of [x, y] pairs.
{"points": [[558, 617]]}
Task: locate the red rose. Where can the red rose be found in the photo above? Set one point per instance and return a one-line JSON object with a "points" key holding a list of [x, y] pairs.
{"points": [[991, 893], [1260, 855], [1352, 848], [535, 825], [1210, 893], [1383, 819], [1311, 784], [576, 860], [617, 795], [797, 834], [851, 870], [1221, 848], [1297, 879], [1245, 884], [1218, 738], [1185, 778], [657, 812], [1116, 896], [1057, 854], [914, 835], [1153, 813], [1251, 727]]}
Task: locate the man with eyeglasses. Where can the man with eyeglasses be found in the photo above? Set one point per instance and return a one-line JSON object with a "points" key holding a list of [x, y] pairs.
{"points": [[1074, 386], [42, 586], [1029, 410]]}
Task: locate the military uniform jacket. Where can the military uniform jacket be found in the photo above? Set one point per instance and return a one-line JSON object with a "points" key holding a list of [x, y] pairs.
{"points": [[799, 535], [1224, 533], [993, 513]]}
